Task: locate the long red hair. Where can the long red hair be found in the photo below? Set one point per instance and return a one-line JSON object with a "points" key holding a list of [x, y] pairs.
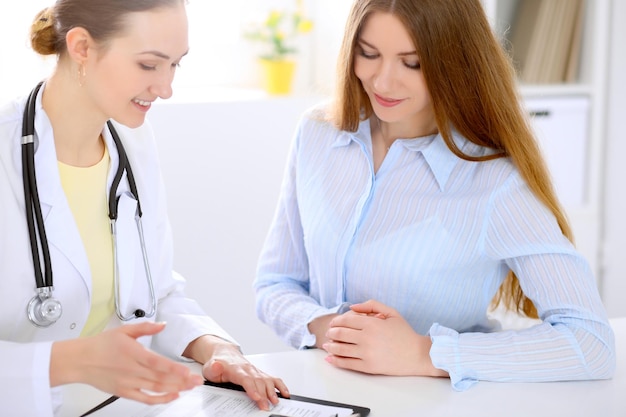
{"points": [[473, 88]]}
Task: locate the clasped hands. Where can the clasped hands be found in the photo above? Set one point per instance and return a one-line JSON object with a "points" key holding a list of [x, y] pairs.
{"points": [[375, 339]]}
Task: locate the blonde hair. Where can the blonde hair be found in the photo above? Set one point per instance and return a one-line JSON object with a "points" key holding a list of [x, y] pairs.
{"points": [[472, 85]]}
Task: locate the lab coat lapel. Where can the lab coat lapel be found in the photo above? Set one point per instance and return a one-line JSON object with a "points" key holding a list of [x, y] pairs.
{"points": [[61, 230]]}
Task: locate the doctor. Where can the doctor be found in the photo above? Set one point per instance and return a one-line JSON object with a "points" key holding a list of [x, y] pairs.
{"points": [[79, 304]]}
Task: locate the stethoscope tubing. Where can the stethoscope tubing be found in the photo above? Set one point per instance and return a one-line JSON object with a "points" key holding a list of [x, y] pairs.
{"points": [[113, 204], [31, 196], [43, 309], [124, 165]]}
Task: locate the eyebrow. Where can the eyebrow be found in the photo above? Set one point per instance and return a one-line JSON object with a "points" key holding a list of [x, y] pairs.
{"points": [[373, 47], [159, 54]]}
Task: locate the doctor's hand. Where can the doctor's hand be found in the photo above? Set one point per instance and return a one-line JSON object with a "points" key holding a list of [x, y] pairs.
{"points": [[224, 362], [375, 339], [115, 362]]}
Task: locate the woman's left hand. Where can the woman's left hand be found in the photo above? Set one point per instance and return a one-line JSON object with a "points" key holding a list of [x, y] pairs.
{"points": [[223, 362], [375, 339]]}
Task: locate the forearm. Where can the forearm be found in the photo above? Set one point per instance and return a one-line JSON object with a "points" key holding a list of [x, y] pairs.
{"points": [[207, 347], [186, 321], [287, 309], [542, 353], [65, 362]]}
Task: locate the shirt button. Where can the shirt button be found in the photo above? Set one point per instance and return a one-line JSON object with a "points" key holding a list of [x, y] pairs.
{"points": [[72, 326]]}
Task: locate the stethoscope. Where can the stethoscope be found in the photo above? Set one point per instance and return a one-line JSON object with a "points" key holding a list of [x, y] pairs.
{"points": [[44, 309]]}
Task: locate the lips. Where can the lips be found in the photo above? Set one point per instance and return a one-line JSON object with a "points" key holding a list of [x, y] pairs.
{"points": [[142, 104], [386, 102]]}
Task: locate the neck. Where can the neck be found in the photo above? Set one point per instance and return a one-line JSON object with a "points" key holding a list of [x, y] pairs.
{"points": [[389, 132], [76, 123]]}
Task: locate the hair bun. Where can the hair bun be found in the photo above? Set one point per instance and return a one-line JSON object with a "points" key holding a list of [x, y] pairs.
{"points": [[43, 37]]}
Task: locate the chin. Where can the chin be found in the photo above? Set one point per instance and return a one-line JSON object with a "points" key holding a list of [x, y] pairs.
{"points": [[135, 125], [132, 123]]}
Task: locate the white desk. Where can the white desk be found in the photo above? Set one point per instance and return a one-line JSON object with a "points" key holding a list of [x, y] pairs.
{"points": [[306, 373]]}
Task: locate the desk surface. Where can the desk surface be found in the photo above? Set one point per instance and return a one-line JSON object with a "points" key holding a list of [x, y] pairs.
{"points": [[306, 373]]}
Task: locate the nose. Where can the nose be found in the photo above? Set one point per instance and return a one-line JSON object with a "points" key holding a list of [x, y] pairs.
{"points": [[163, 85], [384, 76]]}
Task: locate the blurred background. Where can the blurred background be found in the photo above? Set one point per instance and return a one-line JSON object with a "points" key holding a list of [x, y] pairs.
{"points": [[224, 138]]}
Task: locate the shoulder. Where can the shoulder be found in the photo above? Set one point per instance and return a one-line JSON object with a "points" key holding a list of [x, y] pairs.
{"points": [[502, 179], [316, 123], [316, 113], [11, 114], [509, 189], [488, 175]]}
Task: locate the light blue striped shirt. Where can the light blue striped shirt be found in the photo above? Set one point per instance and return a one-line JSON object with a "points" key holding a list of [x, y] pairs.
{"points": [[432, 236]]}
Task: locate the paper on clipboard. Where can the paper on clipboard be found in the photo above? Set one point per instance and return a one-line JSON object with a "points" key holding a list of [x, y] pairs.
{"points": [[209, 401]]}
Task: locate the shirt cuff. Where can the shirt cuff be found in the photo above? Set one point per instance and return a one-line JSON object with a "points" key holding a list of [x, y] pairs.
{"points": [[445, 354]]}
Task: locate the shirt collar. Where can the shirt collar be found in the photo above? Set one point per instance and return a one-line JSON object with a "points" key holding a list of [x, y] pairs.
{"points": [[435, 151], [362, 136], [439, 157]]}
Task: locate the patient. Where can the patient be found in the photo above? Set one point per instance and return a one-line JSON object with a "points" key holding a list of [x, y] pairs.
{"points": [[416, 201]]}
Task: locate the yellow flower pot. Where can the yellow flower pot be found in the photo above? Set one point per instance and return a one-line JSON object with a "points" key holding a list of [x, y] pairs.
{"points": [[277, 75]]}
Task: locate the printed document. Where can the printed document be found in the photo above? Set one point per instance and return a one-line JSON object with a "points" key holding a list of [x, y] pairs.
{"points": [[209, 401]]}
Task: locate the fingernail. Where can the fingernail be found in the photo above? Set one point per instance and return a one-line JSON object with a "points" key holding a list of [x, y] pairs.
{"points": [[328, 359]]}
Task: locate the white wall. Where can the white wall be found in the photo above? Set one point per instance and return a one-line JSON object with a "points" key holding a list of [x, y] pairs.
{"points": [[223, 164], [614, 274], [20, 67], [219, 55]]}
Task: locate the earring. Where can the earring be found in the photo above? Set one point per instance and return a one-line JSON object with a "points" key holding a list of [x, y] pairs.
{"points": [[81, 75]]}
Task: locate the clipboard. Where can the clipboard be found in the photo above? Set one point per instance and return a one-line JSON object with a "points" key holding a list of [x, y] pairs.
{"points": [[363, 411]]}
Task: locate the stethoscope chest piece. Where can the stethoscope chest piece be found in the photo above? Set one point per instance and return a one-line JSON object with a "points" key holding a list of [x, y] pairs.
{"points": [[43, 309]]}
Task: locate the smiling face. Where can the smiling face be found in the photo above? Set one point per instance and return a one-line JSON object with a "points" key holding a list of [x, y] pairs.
{"points": [[134, 69], [387, 64]]}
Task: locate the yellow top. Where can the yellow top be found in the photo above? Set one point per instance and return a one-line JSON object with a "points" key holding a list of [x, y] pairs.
{"points": [[86, 192]]}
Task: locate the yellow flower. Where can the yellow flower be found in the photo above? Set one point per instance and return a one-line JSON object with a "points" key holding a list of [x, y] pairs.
{"points": [[279, 31], [273, 19], [305, 25]]}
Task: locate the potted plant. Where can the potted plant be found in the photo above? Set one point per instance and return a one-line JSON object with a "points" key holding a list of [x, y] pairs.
{"points": [[277, 34]]}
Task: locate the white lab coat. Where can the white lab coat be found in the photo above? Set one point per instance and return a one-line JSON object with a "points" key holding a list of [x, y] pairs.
{"points": [[24, 349]]}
